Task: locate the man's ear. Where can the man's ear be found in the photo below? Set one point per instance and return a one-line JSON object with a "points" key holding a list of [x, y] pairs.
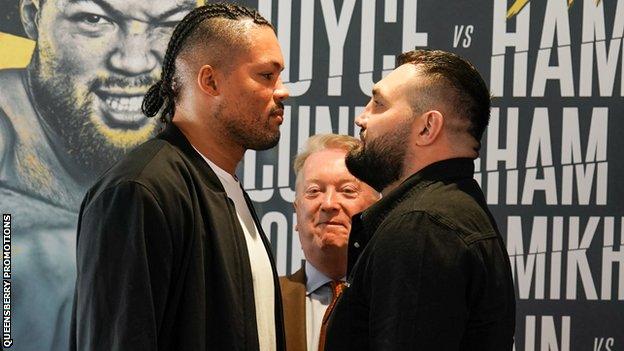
{"points": [[295, 206], [429, 127], [29, 11], [206, 80]]}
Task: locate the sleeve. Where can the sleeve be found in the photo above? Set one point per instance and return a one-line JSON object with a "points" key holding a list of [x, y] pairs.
{"points": [[419, 279], [124, 258]]}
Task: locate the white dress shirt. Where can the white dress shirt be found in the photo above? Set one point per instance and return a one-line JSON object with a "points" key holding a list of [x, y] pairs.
{"points": [[318, 297]]}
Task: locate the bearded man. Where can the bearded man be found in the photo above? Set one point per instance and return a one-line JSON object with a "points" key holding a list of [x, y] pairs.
{"points": [[428, 269]]}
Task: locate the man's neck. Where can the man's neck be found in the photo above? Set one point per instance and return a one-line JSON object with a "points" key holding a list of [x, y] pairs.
{"points": [[413, 164], [335, 268], [221, 151]]}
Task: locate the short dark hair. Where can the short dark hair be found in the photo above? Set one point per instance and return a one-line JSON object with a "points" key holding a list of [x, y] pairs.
{"points": [[471, 97], [196, 28]]}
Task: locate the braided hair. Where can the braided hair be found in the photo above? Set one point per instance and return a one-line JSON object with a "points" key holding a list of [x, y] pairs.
{"points": [[162, 95]]}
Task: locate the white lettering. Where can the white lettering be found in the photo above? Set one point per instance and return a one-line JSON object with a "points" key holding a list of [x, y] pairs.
{"points": [[501, 39], [336, 34]]}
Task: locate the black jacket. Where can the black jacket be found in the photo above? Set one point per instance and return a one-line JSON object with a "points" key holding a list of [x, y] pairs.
{"points": [[432, 272], [162, 260]]}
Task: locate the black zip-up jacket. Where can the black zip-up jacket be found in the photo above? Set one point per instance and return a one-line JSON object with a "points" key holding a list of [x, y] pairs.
{"points": [[428, 270], [162, 258]]}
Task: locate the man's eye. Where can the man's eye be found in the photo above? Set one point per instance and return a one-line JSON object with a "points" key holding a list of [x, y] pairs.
{"points": [[312, 192], [350, 191], [377, 103], [91, 20], [267, 76]]}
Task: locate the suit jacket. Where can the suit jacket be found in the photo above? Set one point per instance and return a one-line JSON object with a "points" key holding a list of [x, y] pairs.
{"points": [[162, 258], [293, 288]]}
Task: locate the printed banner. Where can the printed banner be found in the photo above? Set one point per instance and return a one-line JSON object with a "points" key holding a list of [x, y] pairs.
{"points": [[72, 78]]}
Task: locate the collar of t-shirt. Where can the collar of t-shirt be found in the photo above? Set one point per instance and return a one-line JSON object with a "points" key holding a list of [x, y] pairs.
{"points": [[234, 191], [220, 172], [315, 279]]}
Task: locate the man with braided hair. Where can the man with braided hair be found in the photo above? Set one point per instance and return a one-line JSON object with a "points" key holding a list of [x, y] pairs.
{"points": [[170, 253]]}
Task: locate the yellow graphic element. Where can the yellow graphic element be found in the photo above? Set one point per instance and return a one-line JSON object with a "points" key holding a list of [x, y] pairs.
{"points": [[15, 52], [518, 5]]}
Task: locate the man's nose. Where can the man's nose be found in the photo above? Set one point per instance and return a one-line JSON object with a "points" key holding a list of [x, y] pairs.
{"points": [[361, 120], [134, 54], [330, 201], [281, 92]]}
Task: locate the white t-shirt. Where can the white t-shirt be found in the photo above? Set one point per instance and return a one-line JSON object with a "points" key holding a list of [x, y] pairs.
{"points": [[261, 271]]}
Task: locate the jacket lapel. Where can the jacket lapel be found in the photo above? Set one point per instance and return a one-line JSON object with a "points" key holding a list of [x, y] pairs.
{"points": [[293, 297]]}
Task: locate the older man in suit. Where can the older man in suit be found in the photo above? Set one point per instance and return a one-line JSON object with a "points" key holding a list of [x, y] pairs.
{"points": [[327, 195]]}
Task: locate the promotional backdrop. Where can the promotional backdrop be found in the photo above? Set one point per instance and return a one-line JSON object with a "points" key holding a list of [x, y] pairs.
{"points": [[551, 163]]}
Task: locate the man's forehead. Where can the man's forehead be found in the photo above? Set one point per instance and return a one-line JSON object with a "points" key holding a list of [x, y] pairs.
{"points": [[329, 153], [324, 160], [141, 10], [264, 47], [400, 78]]}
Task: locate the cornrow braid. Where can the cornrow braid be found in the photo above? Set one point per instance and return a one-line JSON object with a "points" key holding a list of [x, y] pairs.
{"points": [[162, 93]]}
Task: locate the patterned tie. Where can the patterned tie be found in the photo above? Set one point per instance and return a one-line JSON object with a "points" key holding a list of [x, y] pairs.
{"points": [[337, 288]]}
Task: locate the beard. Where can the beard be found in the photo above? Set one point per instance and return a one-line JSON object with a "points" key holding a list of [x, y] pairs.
{"points": [[380, 161], [84, 143], [253, 135]]}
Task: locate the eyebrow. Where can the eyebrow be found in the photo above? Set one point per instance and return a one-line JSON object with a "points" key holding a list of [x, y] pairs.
{"points": [[275, 65], [102, 4], [341, 181], [378, 94], [108, 8]]}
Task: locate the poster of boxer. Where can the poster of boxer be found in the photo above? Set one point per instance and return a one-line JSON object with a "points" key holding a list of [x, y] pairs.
{"points": [[73, 73], [72, 81]]}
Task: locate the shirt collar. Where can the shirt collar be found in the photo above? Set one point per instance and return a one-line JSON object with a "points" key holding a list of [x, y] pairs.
{"points": [[315, 279], [175, 138], [455, 168], [220, 172]]}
